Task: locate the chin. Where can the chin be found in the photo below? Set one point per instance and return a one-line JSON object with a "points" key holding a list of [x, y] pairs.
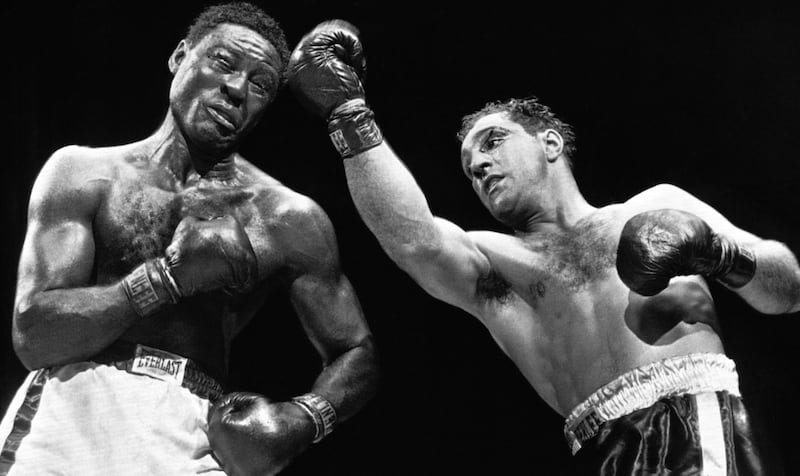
{"points": [[211, 138]]}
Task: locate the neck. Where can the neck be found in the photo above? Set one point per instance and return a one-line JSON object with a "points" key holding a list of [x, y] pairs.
{"points": [[186, 163], [561, 206]]}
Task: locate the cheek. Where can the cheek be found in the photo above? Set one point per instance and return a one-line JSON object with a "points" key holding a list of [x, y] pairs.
{"points": [[195, 80], [256, 105]]}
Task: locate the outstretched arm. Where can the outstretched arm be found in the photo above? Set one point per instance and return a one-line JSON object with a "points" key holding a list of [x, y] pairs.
{"points": [[324, 73]]}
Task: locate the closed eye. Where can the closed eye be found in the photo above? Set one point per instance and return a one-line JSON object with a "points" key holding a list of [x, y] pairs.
{"points": [[261, 85], [222, 63]]}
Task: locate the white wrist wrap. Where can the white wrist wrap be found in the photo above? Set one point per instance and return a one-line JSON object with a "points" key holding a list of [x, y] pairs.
{"points": [[321, 412]]}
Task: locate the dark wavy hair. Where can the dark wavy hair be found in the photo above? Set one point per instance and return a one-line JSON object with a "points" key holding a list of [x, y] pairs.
{"points": [[244, 14], [531, 114]]}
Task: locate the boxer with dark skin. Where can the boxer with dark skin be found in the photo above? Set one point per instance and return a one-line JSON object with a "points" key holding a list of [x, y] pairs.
{"points": [[576, 295], [231, 234]]}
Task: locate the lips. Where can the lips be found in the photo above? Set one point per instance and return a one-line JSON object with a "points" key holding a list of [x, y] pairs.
{"points": [[223, 117], [490, 182]]}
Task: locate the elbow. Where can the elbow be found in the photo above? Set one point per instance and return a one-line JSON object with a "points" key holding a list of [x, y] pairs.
{"points": [[24, 339], [371, 371], [26, 351]]}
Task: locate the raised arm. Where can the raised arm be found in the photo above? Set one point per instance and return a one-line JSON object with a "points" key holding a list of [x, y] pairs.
{"points": [[59, 316], [764, 273], [324, 73]]}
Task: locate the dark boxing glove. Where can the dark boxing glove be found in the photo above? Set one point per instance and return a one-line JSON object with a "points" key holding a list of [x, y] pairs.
{"points": [[210, 255], [657, 245], [205, 255], [325, 72], [250, 435]]}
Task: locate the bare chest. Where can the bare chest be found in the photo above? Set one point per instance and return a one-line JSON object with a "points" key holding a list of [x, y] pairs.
{"points": [[550, 265], [137, 221]]}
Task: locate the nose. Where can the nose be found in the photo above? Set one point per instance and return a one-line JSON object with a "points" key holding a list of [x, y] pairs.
{"points": [[480, 167], [234, 87]]}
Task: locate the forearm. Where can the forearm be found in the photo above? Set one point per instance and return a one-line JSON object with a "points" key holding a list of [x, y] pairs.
{"points": [[391, 203], [775, 287], [66, 325], [349, 381]]}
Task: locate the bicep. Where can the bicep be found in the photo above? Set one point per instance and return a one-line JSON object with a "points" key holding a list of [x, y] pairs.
{"points": [[58, 250], [321, 294], [450, 270], [329, 311], [55, 256]]}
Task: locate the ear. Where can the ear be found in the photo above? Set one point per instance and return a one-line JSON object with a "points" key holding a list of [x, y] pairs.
{"points": [[553, 144], [177, 56]]}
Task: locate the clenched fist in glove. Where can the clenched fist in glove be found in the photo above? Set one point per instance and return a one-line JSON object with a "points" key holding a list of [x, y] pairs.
{"points": [[204, 256], [251, 435], [657, 245], [210, 255], [326, 72]]}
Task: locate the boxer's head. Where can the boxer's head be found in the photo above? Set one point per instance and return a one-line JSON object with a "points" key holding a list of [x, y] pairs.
{"points": [[226, 71], [246, 15], [516, 155]]}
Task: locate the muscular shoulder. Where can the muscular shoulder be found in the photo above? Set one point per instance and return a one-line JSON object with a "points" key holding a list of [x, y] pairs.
{"points": [[296, 223], [78, 163], [71, 181], [661, 196]]}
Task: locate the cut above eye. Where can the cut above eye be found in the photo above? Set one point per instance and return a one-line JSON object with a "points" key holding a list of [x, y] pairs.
{"points": [[491, 142]]}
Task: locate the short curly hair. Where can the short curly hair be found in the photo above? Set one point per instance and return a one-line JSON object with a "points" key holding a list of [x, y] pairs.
{"points": [[531, 114], [244, 14]]}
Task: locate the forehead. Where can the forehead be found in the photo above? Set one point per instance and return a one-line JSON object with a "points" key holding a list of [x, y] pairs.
{"points": [[486, 124], [242, 40]]}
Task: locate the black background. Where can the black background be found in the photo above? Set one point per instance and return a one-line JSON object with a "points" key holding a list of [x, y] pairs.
{"points": [[699, 96]]}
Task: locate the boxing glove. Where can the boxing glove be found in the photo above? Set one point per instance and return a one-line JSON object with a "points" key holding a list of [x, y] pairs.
{"points": [[326, 72], [210, 255], [204, 255], [250, 435], [657, 245]]}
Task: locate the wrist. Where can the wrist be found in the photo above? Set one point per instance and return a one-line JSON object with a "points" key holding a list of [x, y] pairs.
{"points": [[321, 412], [352, 128], [737, 264], [149, 286]]}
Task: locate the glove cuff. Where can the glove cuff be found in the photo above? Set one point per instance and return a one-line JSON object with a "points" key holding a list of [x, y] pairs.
{"points": [[149, 286], [321, 412], [737, 264], [352, 128]]}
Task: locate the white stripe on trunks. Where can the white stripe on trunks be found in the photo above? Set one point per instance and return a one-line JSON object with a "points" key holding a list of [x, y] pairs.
{"points": [[712, 439]]}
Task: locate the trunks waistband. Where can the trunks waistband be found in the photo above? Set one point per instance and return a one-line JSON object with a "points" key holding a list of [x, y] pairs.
{"points": [[142, 360], [643, 386]]}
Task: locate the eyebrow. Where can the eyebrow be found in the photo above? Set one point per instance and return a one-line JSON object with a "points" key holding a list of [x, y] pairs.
{"points": [[263, 66], [481, 134]]}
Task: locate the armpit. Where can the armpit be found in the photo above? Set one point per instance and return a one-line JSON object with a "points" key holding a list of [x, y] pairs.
{"points": [[492, 286]]}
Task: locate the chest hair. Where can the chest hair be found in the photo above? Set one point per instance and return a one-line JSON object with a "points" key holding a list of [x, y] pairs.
{"points": [[569, 259]]}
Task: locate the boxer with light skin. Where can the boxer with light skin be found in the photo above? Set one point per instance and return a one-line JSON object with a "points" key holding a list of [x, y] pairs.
{"points": [[606, 311], [143, 262]]}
